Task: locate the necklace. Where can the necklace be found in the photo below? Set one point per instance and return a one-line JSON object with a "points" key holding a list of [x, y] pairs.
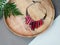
{"points": [[33, 24]]}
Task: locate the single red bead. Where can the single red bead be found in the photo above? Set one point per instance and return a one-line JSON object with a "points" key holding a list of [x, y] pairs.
{"points": [[41, 22]]}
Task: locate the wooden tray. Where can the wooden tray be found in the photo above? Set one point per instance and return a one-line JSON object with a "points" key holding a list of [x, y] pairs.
{"points": [[48, 21]]}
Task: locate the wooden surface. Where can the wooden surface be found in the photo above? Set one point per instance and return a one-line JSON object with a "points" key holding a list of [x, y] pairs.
{"points": [[36, 11]]}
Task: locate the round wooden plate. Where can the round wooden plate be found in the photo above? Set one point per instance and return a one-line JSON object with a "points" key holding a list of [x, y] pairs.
{"points": [[37, 11]]}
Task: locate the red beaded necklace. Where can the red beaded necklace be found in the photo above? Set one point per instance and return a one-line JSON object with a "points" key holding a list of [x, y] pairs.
{"points": [[33, 24]]}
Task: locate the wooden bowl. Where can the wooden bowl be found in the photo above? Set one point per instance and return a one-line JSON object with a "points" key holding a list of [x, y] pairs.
{"points": [[16, 23]]}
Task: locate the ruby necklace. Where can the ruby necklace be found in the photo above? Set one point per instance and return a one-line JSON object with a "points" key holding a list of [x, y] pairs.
{"points": [[33, 24]]}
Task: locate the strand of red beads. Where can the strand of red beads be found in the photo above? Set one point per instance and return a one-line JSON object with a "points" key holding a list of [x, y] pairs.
{"points": [[33, 24]]}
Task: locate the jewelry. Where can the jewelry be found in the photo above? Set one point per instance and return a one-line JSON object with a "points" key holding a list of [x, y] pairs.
{"points": [[34, 24]]}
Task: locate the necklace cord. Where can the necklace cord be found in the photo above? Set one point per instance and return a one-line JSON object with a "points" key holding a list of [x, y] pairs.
{"points": [[31, 5]]}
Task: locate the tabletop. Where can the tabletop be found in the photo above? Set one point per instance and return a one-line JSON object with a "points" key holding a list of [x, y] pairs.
{"points": [[8, 38]]}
